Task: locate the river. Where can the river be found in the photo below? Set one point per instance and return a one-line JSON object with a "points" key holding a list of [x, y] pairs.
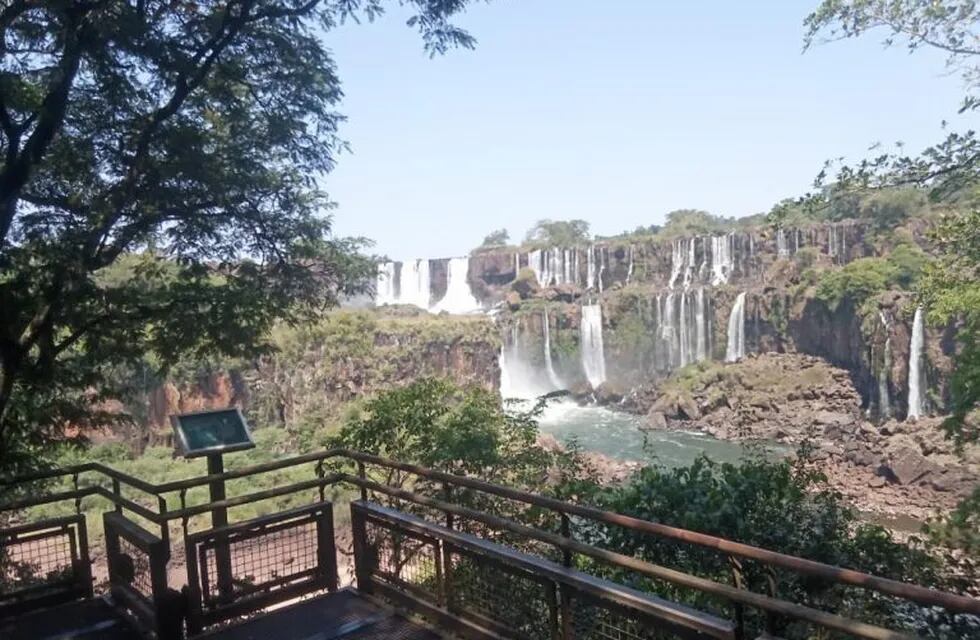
{"points": [[618, 435]]}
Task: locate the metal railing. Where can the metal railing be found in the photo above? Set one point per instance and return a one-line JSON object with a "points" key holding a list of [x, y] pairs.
{"points": [[356, 471]]}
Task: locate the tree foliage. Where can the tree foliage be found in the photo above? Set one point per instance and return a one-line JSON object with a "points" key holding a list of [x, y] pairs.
{"points": [[558, 233], [947, 25], [182, 141], [498, 238], [743, 502]]}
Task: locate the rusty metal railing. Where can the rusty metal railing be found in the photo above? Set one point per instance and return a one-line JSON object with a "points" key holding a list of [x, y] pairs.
{"points": [[358, 476]]}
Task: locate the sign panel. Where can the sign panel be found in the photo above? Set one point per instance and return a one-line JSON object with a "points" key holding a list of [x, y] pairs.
{"points": [[207, 432]]}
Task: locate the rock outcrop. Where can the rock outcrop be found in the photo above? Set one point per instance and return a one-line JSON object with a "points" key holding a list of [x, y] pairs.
{"points": [[891, 468]]}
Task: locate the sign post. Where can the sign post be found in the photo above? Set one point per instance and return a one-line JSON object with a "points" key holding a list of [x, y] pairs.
{"points": [[212, 434]]}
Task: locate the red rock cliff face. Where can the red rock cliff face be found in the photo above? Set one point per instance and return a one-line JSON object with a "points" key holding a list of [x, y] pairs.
{"points": [[210, 390], [313, 379]]}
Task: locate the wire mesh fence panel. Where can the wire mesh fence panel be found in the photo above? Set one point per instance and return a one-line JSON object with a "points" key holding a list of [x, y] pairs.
{"points": [[591, 620], [404, 559], [506, 599], [135, 570], [41, 555], [277, 556], [37, 560]]}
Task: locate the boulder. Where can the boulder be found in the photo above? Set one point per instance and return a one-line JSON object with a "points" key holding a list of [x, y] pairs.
{"points": [[656, 421], [826, 418], [907, 466], [688, 407]]}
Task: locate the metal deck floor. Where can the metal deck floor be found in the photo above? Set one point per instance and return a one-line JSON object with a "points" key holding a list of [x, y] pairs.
{"points": [[345, 615], [93, 619]]}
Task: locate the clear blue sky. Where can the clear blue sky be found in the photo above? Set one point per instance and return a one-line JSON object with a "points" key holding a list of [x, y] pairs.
{"points": [[614, 111]]}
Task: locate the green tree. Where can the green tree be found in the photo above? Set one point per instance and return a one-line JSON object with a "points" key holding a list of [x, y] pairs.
{"points": [[559, 233], [687, 222], [188, 136], [498, 238], [947, 172], [741, 502]]}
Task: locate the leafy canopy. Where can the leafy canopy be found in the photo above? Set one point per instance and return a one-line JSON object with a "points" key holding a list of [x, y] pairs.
{"points": [[558, 233], [158, 185]]}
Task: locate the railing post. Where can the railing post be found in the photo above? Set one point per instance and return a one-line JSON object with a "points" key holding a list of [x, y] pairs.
{"points": [[566, 532], [319, 475], [738, 580], [772, 585], [567, 630], [219, 518], [78, 499], [326, 549], [362, 474], [117, 491], [363, 563], [445, 549], [164, 525]]}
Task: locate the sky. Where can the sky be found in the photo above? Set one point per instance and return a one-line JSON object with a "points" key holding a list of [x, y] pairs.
{"points": [[613, 111]]}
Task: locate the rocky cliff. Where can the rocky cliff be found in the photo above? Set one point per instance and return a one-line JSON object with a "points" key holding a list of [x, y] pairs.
{"points": [[316, 370], [669, 303], [892, 467]]}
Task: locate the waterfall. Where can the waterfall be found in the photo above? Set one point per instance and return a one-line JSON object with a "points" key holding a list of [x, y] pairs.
{"points": [[459, 297], [916, 364], [590, 268], [414, 285], [667, 331], [700, 321], [682, 329], [677, 255], [549, 367], [385, 292], [884, 397], [629, 269], [536, 262], [722, 260], [782, 249], [593, 357], [517, 264], [519, 378], [555, 266], [736, 331], [603, 259]]}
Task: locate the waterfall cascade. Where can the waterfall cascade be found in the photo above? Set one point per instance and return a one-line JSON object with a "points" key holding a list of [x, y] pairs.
{"points": [[554, 266], [722, 258], [884, 396], [682, 329], [459, 297], [415, 286], [519, 378], [782, 248], [593, 356], [386, 291], [736, 331], [553, 378], [916, 366]]}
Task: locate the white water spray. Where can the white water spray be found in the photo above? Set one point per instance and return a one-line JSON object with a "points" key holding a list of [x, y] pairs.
{"points": [[385, 287], [593, 356], [548, 365], [916, 364], [415, 285], [736, 331], [459, 297]]}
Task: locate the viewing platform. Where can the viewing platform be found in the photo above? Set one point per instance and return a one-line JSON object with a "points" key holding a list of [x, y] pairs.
{"points": [[375, 548]]}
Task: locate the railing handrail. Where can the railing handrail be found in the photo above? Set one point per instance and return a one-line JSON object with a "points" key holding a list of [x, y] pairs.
{"points": [[916, 593]]}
